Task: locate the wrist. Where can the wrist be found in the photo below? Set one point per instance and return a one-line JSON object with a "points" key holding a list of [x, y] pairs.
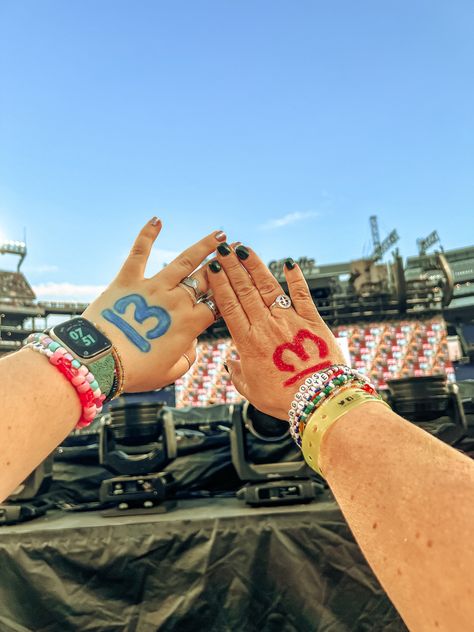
{"points": [[324, 417], [57, 393], [318, 389], [123, 362], [345, 441], [87, 345]]}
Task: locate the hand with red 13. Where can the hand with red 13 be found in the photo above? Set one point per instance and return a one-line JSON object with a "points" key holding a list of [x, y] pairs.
{"points": [[280, 342]]}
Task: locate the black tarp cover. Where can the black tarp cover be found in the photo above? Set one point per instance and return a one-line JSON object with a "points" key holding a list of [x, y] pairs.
{"points": [[213, 565]]}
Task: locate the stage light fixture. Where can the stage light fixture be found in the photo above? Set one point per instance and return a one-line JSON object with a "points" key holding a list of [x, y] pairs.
{"points": [[263, 426], [269, 483], [25, 502], [428, 398], [137, 440]]}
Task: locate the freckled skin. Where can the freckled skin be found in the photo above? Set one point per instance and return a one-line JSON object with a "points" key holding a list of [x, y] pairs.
{"points": [[422, 556]]}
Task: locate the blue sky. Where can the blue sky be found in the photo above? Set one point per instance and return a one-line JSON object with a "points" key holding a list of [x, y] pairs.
{"points": [[286, 123]]}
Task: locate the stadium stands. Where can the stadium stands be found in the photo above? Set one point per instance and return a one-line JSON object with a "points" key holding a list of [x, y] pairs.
{"points": [[383, 350], [393, 317], [14, 288]]}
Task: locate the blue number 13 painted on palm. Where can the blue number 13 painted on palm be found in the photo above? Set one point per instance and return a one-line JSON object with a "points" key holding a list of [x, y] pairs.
{"points": [[143, 311]]}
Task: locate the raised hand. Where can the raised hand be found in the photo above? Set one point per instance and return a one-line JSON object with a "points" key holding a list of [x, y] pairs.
{"points": [[280, 342], [154, 322]]}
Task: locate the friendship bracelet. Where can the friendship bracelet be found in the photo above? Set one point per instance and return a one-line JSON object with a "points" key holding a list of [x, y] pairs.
{"points": [[318, 388], [87, 387], [323, 418]]}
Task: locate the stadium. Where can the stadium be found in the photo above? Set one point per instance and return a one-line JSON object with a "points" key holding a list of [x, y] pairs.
{"points": [[393, 319], [190, 487]]}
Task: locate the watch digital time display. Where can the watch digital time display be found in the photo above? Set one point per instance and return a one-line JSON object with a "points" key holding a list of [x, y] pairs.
{"points": [[82, 338]]}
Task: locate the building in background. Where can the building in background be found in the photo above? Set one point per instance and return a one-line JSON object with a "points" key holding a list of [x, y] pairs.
{"points": [[395, 319]]}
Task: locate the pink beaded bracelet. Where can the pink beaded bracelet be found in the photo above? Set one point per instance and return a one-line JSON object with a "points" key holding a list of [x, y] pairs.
{"points": [[87, 388]]}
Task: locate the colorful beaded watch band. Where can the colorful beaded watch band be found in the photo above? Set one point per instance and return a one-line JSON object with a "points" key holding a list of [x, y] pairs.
{"points": [[87, 387], [317, 389]]}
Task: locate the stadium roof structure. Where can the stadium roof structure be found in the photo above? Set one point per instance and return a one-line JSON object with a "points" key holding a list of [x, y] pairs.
{"points": [[366, 289], [360, 290]]}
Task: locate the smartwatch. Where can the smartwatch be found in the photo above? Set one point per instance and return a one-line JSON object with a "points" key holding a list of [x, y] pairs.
{"points": [[89, 345]]}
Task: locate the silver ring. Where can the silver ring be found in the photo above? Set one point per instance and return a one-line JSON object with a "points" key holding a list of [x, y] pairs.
{"points": [[189, 291], [193, 284], [188, 360], [282, 301], [212, 306]]}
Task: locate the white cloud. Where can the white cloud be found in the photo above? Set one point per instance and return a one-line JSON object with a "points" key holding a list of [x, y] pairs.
{"points": [[67, 292], [289, 218], [51, 291]]}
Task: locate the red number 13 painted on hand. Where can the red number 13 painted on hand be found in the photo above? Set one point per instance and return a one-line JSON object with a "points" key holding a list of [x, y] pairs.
{"points": [[296, 346]]}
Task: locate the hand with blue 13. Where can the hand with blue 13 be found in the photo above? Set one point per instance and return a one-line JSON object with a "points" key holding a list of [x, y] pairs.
{"points": [[152, 322]]}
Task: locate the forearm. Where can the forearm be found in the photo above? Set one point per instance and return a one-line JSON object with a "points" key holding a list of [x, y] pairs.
{"points": [[39, 409], [408, 500]]}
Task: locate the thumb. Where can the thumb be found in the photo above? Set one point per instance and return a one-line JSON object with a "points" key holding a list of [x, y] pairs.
{"points": [[234, 368]]}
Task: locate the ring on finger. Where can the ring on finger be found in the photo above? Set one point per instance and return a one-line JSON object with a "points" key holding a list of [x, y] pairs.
{"points": [[212, 306], [282, 301], [186, 357], [189, 291], [193, 283]]}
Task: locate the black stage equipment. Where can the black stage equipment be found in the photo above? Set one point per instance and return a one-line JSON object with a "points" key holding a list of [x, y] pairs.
{"points": [[137, 494], [137, 441], [429, 399], [23, 504], [277, 483], [28, 510]]}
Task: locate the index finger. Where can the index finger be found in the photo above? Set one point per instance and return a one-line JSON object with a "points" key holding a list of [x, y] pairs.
{"points": [[189, 259], [264, 281], [135, 264]]}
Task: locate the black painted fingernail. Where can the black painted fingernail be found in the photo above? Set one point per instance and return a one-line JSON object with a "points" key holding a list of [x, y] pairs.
{"points": [[289, 263], [242, 252], [224, 249], [226, 367], [215, 266]]}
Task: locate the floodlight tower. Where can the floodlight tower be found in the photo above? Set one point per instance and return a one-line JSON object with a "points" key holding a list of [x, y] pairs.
{"points": [[380, 248], [374, 227], [14, 248], [424, 244]]}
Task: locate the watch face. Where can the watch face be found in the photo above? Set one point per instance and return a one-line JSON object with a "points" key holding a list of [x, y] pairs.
{"points": [[82, 338]]}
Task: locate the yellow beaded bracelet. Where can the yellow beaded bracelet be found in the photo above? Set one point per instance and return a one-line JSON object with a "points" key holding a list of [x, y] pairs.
{"points": [[325, 416]]}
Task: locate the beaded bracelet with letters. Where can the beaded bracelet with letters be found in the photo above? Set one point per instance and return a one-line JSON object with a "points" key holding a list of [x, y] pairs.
{"points": [[317, 389]]}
